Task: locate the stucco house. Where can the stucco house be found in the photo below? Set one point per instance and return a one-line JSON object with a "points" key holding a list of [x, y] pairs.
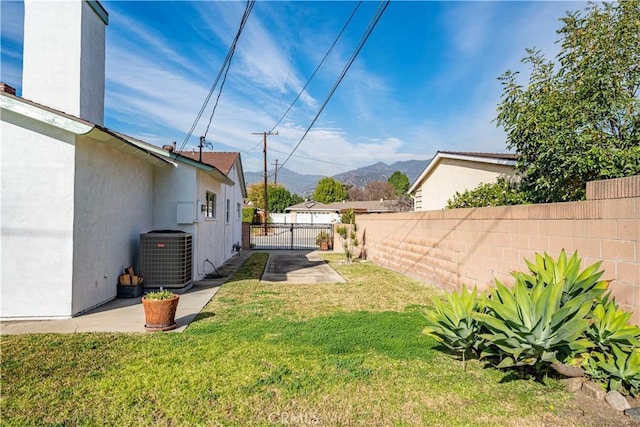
{"points": [[218, 204], [456, 171], [76, 196]]}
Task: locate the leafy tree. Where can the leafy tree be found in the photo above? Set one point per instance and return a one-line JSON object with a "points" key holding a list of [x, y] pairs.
{"points": [[255, 194], [399, 181], [578, 120], [500, 193], [329, 190], [296, 198], [279, 197], [248, 215]]}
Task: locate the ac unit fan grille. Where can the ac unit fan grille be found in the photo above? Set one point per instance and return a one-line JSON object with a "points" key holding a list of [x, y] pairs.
{"points": [[165, 259]]}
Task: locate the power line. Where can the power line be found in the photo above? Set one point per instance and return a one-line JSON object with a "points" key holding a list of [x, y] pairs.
{"points": [[372, 24], [247, 12], [315, 159], [344, 27], [223, 68], [326, 55]]}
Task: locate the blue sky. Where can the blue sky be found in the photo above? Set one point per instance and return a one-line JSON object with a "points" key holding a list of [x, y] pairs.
{"points": [[426, 80]]}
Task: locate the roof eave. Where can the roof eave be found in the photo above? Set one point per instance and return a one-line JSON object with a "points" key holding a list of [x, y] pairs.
{"points": [[28, 109], [78, 126], [440, 155]]}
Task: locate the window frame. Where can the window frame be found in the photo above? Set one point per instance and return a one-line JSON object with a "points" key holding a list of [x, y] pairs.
{"points": [[211, 205]]}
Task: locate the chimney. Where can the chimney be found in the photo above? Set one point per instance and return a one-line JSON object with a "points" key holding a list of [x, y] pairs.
{"points": [[64, 56], [7, 89]]}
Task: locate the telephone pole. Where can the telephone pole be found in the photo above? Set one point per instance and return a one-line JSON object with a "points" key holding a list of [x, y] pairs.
{"points": [[275, 175], [266, 193]]}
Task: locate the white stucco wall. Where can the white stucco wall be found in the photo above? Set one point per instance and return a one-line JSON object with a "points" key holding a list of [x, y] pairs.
{"points": [[451, 175], [64, 57], [213, 238], [37, 214], [211, 233], [235, 194], [113, 206], [171, 186]]}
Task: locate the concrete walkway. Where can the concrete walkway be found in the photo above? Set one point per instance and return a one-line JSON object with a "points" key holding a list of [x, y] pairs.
{"points": [[127, 314], [298, 267]]}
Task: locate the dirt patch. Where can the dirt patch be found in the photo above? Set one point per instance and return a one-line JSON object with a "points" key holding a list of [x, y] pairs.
{"points": [[587, 411]]}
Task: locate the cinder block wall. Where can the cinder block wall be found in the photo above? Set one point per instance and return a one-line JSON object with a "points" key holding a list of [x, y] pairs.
{"points": [[473, 246]]}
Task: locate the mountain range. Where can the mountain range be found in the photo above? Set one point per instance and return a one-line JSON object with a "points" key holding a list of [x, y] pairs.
{"points": [[303, 184]]}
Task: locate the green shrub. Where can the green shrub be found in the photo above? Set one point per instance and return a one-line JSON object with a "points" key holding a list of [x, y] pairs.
{"points": [[531, 326], [611, 327], [248, 215], [159, 295], [452, 322], [499, 193], [349, 235], [620, 369], [547, 270], [555, 313]]}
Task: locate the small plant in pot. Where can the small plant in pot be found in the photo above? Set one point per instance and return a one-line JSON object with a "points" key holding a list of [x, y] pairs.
{"points": [[323, 239], [160, 310]]}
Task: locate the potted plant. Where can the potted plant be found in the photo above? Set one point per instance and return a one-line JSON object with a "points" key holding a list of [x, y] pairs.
{"points": [[323, 239], [160, 310]]}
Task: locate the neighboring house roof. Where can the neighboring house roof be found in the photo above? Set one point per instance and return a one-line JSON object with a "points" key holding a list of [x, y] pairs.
{"points": [[310, 205], [222, 160], [78, 126], [370, 206], [495, 158]]}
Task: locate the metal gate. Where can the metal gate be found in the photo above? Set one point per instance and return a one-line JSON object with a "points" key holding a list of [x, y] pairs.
{"points": [[288, 236]]}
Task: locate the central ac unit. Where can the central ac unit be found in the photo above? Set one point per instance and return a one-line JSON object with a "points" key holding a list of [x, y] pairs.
{"points": [[165, 259]]}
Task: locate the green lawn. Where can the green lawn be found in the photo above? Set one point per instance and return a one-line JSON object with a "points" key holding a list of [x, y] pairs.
{"points": [[273, 354]]}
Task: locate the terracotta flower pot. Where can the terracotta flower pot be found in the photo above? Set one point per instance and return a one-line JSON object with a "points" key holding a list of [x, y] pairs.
{"points": [[160, 315]]}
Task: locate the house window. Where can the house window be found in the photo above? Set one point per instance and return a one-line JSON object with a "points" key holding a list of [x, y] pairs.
{"points": [[239, 211], [210, 212], [228, 210]]}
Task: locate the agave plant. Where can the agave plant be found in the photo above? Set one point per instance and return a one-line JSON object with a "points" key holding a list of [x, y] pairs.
{"points": [[529, 326], [621, 368], [452, 322], [611, 327], [546, 270]]}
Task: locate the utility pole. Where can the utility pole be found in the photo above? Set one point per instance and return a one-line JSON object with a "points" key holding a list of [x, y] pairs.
{"points": [[275, 175], [200, 147], [266, 193]]}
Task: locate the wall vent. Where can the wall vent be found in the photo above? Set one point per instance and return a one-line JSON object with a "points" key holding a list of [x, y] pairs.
{"points": [[165, 259]]}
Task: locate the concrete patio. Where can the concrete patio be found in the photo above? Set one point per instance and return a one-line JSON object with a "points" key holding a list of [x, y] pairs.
{"points": [[127, 314]]}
